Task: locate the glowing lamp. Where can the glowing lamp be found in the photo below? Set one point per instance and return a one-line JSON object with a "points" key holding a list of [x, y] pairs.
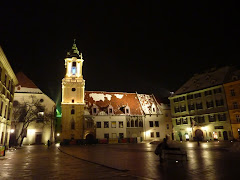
{"points": [[12, 131], [58, 134]]}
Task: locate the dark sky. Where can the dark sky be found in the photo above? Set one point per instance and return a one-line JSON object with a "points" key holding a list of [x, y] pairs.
{"points": [[143, 46]]}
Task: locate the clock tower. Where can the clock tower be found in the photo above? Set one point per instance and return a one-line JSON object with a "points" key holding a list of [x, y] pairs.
{"points": [[73, 86]]}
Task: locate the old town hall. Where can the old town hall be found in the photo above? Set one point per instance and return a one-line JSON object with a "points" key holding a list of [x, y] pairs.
{"points": [[112, 116]]}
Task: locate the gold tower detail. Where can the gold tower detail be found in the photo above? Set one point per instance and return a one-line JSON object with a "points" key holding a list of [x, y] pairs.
{"points": [[73, 86]]}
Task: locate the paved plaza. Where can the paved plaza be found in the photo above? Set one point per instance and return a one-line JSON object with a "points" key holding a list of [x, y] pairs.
{"points": [[213, 160]]}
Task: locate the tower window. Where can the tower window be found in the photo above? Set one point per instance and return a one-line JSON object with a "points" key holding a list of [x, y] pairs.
{"points": [[72, 100], [74, 64], [72, 111], [72, 125], [73, 89], [74, 70]]}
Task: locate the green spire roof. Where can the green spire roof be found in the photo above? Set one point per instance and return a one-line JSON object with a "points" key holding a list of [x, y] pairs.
{"points": [[74, 51]]}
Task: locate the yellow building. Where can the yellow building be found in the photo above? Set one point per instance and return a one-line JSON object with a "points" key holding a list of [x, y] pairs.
{"points": [[232, 91], [8, 81], [199, 108], [73, 87]]}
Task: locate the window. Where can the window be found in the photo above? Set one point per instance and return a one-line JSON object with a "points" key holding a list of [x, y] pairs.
{"points": [[106, 124], [110, 110], [128, 123], [167, 126], [177, 109], [201, 119], [99, 124], [235, 105], [72, 111], [73, 89], [72, 100], [151, 123], [156, 123], [114, 124], [190, 96], [74, 64], [94, 110], [185, 121], [175, 100], [89, 124], [140, 123], [232, 92], [219, 134], [74, 70], [238, 118], [219, 102], [121, 136], [210, 104], [72, 124], [132, 123], [181, 98], [222, 117], [157, 134], [199, 105], [183, 108], [218, 90], [106, 136], [5, 80], [152, 134], [136, 123], [191, 107], [178, 121], [120, 124], [40, 117], [207, 93], [197, 95], [127, 110], [212, 118]]}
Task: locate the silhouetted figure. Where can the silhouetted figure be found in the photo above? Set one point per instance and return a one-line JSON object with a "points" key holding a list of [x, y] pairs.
{"points": [[48, 143], [159, 150]]}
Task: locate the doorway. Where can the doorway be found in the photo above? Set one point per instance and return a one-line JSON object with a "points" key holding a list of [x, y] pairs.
{"points": [[225, 135], [38, 139], [199, 135], [90, 139]]}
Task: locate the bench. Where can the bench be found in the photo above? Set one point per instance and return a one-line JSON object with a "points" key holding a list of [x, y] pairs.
{"points": [[174, 154]]}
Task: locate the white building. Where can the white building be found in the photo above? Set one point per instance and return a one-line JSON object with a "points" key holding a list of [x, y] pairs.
{"points": [[37, 132]]}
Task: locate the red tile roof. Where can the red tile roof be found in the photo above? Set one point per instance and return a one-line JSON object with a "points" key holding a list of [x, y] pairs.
{"points": [[24, 81], [118, 100]]}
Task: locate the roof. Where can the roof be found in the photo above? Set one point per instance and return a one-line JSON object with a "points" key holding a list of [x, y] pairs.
{"points": [[117, 100], [25, 84], [208, 79], [7, 66], [73, 52], [149, 104]]}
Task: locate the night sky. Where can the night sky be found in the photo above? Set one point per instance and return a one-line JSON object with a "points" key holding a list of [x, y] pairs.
{"points": [[128, 46]]}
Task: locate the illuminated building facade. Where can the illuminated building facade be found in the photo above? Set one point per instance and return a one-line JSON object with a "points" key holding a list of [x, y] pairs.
{"points": [[41, 130], [199, 108], [8, 81], [232, 90], [108, 115]]}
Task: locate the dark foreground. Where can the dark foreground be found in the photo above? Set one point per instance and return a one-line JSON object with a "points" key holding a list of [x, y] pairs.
{"points": [[126, 161]]}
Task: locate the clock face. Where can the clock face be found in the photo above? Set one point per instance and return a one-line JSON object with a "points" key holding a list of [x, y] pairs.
{"points": [[74, 70]]}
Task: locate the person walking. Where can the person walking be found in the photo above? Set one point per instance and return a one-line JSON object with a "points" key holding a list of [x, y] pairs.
{"points": [[159, 150]]}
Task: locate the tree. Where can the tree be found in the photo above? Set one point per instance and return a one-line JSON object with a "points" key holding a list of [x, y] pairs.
{"points": [[28, 112]]}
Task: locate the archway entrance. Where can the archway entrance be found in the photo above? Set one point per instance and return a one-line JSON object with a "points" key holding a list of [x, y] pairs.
{"points": [[90, 139], [199, 134]]}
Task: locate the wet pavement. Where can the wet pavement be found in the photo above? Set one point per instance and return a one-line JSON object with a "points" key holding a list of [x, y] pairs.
{"points": [[213, 160]]}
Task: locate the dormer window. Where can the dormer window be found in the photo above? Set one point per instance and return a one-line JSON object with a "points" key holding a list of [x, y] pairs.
{"points": [[94, 110], [127, 110], [110, 111]]}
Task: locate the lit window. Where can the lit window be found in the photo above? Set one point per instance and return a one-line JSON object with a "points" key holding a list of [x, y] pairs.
{"points": [[74, 70], [114, 124]]}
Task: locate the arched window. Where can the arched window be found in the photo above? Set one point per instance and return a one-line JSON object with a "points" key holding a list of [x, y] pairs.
{"points": [[72, 100], [72, 111], [72, 124], [132, 123], [136, 123]]}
